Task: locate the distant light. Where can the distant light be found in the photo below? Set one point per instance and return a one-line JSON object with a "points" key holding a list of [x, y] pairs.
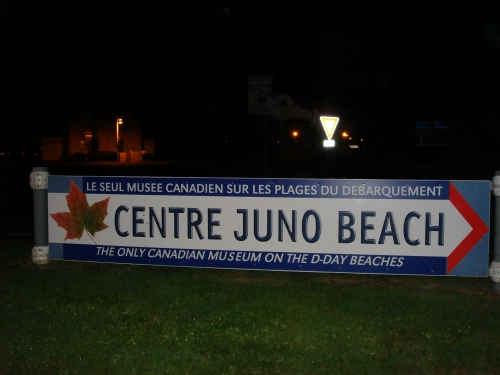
{"points": [[329, 143], [353, 146], [344, 134], [120, 121], [295, 133]]}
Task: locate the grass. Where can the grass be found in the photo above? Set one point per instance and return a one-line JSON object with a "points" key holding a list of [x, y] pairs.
{"points": [[77, 318]]}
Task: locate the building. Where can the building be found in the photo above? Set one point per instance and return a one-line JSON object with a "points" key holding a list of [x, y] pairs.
{"points": [[109, 137], [51, 148]]}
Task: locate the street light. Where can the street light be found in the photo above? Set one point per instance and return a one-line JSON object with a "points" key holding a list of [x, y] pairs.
{"points": [[119, 122]]}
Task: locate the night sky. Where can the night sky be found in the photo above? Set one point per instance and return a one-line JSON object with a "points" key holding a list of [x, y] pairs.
{"points": [[182, 67]]}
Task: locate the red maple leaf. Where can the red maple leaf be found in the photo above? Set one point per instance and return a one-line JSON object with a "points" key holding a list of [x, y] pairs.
{"points": [[81, 216]]}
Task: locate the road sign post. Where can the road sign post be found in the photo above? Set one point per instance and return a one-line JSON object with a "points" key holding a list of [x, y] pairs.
{"points": [[329, 126], [494, 270], [88, 138], [39, 184]]}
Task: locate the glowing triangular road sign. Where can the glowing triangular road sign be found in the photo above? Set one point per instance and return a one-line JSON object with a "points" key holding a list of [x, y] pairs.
{"points": [[329, 124]]}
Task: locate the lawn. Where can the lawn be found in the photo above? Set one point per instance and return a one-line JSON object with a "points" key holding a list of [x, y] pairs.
{"points": [[86, 318]]}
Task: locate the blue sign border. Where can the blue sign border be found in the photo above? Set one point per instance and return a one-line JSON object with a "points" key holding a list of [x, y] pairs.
{"points": [[255, 187], [260, 260]]}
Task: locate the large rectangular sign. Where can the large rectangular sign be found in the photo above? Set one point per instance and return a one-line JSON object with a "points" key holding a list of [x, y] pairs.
{"points": [[407, 227]]}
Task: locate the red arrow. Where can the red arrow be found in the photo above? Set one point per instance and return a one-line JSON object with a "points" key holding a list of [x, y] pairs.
{"points": [[479, 228]]}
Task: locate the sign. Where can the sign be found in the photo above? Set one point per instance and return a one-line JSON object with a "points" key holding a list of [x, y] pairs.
{"points": [[259, 91], [409, 227], [88, 135], [431, 133], [282, 107], [329, 125]]}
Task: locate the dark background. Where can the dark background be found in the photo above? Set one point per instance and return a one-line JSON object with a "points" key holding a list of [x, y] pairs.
{"points": [[181, 68]]}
